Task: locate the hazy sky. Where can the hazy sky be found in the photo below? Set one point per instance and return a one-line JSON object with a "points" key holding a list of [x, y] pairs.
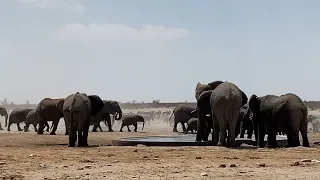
{"points": [[157, 49]]}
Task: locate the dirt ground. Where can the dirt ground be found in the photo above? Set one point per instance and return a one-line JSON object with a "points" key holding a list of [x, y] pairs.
{"points": [[32, 156]]}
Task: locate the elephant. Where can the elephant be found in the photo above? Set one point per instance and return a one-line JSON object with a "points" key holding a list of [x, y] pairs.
{"points": [[32, 118], [50, 110], [182, 113], [223, 100], [286, 111], [192, 125], [245, 121], [77, 110], [18, 116], [3, 112], [110, 107], [132, 120]]}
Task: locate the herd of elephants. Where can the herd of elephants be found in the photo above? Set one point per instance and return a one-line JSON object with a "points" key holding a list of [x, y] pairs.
{"points": [[222, 110]]}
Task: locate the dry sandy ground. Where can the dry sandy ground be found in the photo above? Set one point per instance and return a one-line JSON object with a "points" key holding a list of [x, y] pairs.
{"points": [[32, 156]]}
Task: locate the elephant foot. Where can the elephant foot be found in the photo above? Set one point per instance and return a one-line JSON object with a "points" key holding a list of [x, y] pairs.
{"points": [[175, 130], [52, 133], [20, 130], [221, 144], [110, 130], [94, 130], [83, 145], [135, 130], [272, 146], [129, 130], [1, 129], [214, 143], [66, 134], [232, 144], [121, 131], [71, 144], [306, 144]]}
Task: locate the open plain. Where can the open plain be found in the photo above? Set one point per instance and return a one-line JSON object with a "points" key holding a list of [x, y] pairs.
{"points": [[31, 156]]}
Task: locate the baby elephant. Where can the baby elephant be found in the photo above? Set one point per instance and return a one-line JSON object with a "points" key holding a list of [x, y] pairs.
{"points": [[132, 120], [32, 118], [192, 125]]}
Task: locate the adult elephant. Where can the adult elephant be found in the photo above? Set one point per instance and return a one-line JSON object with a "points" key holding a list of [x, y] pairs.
{"points": [[286, 111], [245, 121], [182, 113], [223, 100], [110, 107], [3, 112], [50, 110], [18, 116], [77, 110], [32, 118]]}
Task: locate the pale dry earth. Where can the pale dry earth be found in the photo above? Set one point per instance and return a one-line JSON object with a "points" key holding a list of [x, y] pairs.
{"points": [[32, 156]]}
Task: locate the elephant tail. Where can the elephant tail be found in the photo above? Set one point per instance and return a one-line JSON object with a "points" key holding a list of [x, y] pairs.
{"points": [[304, 122]]}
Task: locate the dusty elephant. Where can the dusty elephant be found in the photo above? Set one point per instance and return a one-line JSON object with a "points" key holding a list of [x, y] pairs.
{"points": [[132, 120], [182, 113], [285, 111], [3, 112], [18, 116], [224, 100], [50, 110], [77, 110], [32, 118], [110, 107]]}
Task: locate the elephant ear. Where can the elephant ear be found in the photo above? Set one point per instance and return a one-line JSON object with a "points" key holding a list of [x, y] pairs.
{"points": [[59, 105], [254, 104], [215, 84], [244, 98], [96, 104]]}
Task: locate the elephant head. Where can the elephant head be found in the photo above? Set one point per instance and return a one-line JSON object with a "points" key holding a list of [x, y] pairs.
{"points": [[139, 118], [113, 107], [96, 104], [3, 112]]}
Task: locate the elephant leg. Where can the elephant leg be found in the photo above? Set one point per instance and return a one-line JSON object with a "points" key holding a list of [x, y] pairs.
{"points": [[34, 127], [183, 126], [201, 126], [85, 133], [72, 137], [272, 136], [48, 127], [95, 126], [128, 128], [100, 128], [122, 125], [109, 124], [135, 126], [55, 126], [18, 126], [232, 131], [304, 134], [175, 126], [242, 130], [42, 121], [296, 140], [250, 132], [216, 131], [8, 129]]}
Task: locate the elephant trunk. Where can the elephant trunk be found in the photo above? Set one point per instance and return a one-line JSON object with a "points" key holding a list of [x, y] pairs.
{"points": [[118, 116]]}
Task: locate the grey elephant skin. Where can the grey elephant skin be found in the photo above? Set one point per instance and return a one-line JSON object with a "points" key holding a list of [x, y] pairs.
{"points": [[110, 107], [182, 113], [3, 112], [18, 116], [77, 110], [286, 111], [50, 110], [132, 120], [192, 125], [245, 121], [32, 118], [223, 100]]}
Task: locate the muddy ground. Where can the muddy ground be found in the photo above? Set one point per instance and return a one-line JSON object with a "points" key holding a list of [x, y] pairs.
{"points": [[32, 156]]}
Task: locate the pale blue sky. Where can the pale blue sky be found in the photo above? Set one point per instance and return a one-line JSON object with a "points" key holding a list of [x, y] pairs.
{"points": [[157, 49]]}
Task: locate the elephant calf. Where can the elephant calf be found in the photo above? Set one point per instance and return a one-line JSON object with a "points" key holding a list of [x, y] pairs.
{"points": [[132, 120], [32, 118], [192, 125], [18, 116]]}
